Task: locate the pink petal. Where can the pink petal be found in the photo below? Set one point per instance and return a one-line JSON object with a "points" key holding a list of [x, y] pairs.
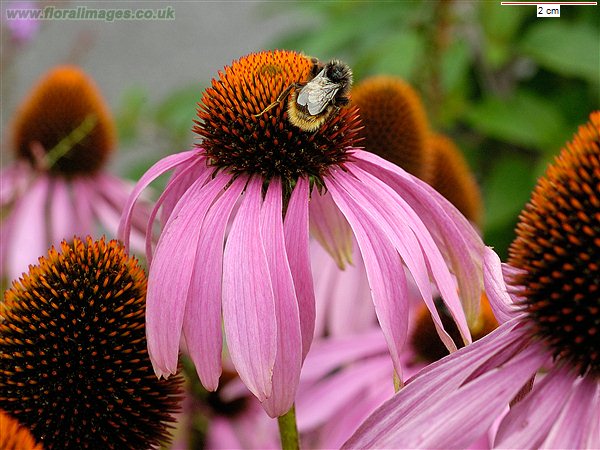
{"points": [[286, 370], [343, 297], [202, 320], [162, 166], [501, 302], [574, 428], [177, 185], [115, 193], [330, 228], [448, 422], [382, 264], [414, 243], [171, 272], [530, 420], [183, 177], [26, 238], [63, 220], [454, 234], [321, 401], [248, 302], [329, 354], [433, 384], [295, 229], [83, 198]]}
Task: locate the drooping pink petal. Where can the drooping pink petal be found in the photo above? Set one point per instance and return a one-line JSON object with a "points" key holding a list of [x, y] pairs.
{"points": [[433, 384], [171, 272], [295, 229], [501, 302], [182, 178], [574, 427], [343, 297], [114, 192], [28, 237], [178, 184], [84, 212], [162, 166], [411, 239], [63, 220], [286, 370], [248, 301], [330, 228], [454, 234], [530, 420], [382, 264], [448, 423], [13, 180], [202, 320]]}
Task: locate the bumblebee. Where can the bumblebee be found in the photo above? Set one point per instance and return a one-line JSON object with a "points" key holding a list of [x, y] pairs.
{"points": [[312, 104]]}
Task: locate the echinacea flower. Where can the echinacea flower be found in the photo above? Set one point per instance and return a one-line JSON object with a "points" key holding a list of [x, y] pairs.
{"points": [[56, 188], [257, 170], [14, 436], [74, 367], [547, 297]]}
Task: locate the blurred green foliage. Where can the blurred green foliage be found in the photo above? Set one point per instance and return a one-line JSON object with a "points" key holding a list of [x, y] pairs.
{"points": [[508, 87]]}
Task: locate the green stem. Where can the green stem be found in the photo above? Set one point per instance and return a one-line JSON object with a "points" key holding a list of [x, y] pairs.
{"points": [[288, 431]]}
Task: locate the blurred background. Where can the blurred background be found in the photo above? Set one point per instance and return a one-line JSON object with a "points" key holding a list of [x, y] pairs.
{"points": [[509, 88]]}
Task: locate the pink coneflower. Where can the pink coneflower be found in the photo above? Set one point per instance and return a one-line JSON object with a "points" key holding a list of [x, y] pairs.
{"points": [[551, 312], [261, 172], [56, 188]]}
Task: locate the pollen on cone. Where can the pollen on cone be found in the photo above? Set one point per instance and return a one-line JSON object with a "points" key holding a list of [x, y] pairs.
{"points": [[57, 107], [450, 176], [395, 122], [14, 436], [74, 365], [557, 249]]}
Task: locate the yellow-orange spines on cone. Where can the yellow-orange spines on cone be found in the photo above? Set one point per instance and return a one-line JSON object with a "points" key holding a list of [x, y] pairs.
{"points": [[558, 250], [74, 364], [60, 103], [395, 122], [450, 175], [242, 135], [14, 436]]}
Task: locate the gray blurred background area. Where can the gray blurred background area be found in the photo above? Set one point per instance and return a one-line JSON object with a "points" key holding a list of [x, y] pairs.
{"points": [[138, 64]]}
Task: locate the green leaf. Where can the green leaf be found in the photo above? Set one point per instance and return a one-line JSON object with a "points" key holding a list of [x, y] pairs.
{"points": [[178, 109], [570, 49], [130, 112], [506, 191], [525, 119]]}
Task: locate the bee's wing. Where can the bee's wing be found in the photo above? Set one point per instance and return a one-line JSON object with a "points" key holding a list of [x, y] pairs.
{"points": [[317, 94]]}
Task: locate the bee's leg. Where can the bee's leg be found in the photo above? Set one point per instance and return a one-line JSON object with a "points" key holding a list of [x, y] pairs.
{"points": [[281, 96]]}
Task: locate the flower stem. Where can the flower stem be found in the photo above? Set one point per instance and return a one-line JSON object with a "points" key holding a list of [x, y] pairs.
{"points": [[288, 431]]}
